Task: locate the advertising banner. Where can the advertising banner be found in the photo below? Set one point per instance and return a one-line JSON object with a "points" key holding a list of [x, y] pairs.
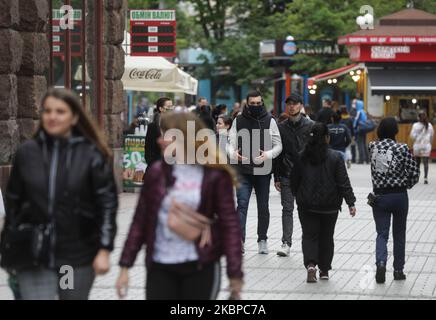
{"points": [[133, 161]]}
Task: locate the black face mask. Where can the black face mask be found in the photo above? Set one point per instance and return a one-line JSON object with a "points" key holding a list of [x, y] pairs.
{"points": [[255, 110]]}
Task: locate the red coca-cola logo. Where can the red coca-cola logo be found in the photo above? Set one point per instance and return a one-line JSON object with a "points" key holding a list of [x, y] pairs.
{"points": [[150, 74]]}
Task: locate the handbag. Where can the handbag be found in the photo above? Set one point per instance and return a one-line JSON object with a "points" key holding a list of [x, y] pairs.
{"points": [[366, 126], [23, 241], [190, 225], [372, 198]]}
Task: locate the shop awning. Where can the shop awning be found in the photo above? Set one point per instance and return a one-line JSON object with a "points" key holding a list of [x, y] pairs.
{"points": [[334, 73], [155, 74], [402, 81], [158, 75]]}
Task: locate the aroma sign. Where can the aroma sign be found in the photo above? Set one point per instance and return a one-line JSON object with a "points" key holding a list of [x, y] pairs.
{"points": [[150, 74]]}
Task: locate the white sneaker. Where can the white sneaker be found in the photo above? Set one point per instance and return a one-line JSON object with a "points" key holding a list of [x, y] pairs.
{"points": [[284, 251], [263, 247]]}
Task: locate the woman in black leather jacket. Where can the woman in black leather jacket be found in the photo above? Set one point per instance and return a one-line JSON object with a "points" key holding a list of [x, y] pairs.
{"points": [[61, 204], [320, 183]]}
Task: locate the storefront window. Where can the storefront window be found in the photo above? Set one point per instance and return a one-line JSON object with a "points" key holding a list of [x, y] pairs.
{"points": [[69, 67], [409, 109]]}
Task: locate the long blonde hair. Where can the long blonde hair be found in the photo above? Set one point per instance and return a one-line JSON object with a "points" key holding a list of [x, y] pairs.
{"points": [[180, 121]]}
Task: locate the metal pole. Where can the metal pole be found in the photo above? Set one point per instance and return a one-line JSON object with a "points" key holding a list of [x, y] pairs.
{"points": [[83, 34], [50, 34], [67, 51], [99, 61]]}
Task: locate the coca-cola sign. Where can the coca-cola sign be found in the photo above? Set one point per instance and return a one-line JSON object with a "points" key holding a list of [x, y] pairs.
{"points": [[147, 74]]}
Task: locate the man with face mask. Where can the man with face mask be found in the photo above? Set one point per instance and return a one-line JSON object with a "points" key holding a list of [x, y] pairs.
{"points": [[254, 140], [295, 133]]}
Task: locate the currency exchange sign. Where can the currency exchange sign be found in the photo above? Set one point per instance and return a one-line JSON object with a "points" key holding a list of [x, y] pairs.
{"points": [[153, 33]]}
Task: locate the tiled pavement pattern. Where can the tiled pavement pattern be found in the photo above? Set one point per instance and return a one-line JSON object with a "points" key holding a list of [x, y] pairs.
{"points": [[273, 277]]}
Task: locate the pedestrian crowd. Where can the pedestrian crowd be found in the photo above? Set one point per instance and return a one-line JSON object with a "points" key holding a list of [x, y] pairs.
{"points": [[60, 207]]}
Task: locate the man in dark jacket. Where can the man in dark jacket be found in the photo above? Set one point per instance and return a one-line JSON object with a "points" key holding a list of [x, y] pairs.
{"points": [[340, 137], [152, 150], [254, 141], [294, 133], [326, 113]]}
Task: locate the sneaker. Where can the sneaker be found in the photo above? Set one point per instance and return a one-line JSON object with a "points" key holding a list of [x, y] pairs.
{"points": [[323, 275], [263, 247], [380, 275], [311, 274], [284, 251], [399, 275], [425, 181]]}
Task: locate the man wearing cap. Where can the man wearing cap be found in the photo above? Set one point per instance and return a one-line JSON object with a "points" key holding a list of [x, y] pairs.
{"points": [[294, 133]]}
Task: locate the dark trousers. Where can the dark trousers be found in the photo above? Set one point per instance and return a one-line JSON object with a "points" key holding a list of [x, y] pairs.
{"points": [[318, 244], [425, 162], [353, 153], [361, 146], [261, 185], [287, 210], [395, 205], [183, 281]]}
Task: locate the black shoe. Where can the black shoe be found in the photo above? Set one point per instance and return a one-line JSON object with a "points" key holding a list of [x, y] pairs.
{"points": [[324, 275], [425, 181], [399, 275], [380, 276]]}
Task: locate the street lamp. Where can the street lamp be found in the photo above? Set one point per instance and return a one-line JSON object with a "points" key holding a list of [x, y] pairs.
{"points": [[335, 80], [414, 101], [388, 98], [356, 78]]}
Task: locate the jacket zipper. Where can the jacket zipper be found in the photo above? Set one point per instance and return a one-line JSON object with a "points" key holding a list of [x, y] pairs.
{"points": [[52, 190]]}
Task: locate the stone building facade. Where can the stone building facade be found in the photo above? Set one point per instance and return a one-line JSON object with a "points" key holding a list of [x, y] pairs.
{"points": [[25, 63]]}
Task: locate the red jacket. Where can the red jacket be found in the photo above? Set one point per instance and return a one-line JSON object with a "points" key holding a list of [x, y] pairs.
{"points": [[216, 201]]}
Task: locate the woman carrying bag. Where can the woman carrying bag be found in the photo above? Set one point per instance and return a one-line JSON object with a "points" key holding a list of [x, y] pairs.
{"points": [[393, 171], [61, 203], [187, 219]]}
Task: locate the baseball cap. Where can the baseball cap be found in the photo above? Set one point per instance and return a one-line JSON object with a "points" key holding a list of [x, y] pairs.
{"points": [[294, 97]]}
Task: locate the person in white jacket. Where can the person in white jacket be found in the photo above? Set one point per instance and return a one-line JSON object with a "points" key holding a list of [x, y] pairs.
{"points": [[422, 135]]}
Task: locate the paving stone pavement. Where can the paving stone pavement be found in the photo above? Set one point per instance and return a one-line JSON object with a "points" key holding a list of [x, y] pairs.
{"points": [[273, 277]]}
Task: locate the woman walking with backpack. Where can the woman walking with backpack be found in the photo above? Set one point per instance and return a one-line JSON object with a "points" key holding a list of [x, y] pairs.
{"points": [[320, 183], [422, 135], [61, 202], [393, 171], [183, 259]]}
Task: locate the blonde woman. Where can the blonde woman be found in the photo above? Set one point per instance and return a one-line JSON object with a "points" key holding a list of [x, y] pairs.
{"points": [[180, 268]]}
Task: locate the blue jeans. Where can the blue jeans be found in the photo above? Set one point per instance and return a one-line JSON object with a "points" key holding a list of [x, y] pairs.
{"points": [[397, 206], [261, 185]]}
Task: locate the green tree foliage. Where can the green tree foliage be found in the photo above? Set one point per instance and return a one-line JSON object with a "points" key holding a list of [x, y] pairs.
{"points": [[232, 30]]}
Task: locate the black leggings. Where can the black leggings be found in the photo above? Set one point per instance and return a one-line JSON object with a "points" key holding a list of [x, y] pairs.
{"points": [[183, 281], [425, 161]]}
